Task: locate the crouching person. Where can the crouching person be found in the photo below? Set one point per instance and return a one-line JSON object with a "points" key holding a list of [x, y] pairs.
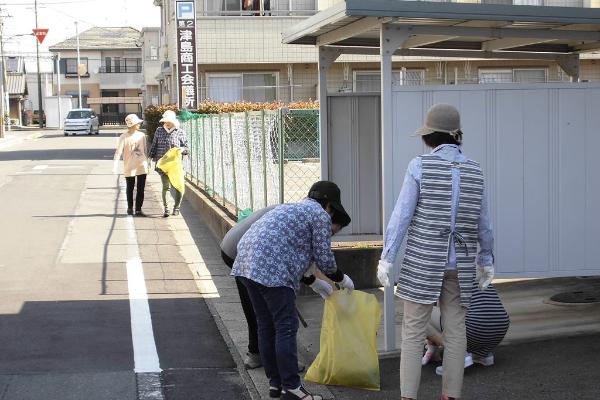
{"points": [[272, 257]]}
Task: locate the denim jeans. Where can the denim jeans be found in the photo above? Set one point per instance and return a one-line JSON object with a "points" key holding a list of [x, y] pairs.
{"points": [[275, 309]]}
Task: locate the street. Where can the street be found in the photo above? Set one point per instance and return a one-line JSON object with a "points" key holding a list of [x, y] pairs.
{"points": [[74, 273], [98, 305]]}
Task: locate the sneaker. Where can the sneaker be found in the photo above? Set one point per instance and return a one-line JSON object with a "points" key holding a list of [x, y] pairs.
{"points": [[140, 213], [130, 211], [166, 213], [486, 361], [468, 362], [175, 212], [252, 361], [299, 394], [274, 392], [430, 355]]}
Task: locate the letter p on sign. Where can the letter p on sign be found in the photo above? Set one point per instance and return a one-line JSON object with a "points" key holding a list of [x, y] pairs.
{"points": [[40, 34]]}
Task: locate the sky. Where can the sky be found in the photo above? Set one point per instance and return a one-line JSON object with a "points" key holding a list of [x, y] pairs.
{"points": [[59, 17]]}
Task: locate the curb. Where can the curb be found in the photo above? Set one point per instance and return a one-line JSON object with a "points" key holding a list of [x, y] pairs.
{"points": [[11, 141]]}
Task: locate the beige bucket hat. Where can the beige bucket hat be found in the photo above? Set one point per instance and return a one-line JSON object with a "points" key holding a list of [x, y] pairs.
{"points": [[441, 118], [132, 119]]}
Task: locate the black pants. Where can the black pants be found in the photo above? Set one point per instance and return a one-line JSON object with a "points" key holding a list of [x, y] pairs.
{"points": [[247, 307], [139, 197]]}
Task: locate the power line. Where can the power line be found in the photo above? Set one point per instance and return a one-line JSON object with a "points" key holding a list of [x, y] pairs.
{"points": [[46, 3]]}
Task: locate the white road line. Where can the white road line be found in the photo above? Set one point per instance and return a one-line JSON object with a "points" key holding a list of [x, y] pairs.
{"points": [[43, 167], [142, 334]]}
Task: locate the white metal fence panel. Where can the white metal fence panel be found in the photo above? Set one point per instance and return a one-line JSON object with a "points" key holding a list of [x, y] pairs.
{"points": [[355, 135], [538, 147]]}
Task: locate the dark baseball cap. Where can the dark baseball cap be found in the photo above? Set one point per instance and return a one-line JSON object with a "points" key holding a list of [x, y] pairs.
{"points": [[326, 190]]}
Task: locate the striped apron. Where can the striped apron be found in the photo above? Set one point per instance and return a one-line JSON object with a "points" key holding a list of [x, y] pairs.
{"points": [[430, 233]]}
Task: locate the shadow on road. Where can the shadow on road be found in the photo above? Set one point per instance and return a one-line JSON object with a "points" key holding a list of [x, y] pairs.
{"points": [[58, 155]]}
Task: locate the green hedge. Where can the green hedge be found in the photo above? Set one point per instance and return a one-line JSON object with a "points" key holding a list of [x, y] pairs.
{"points": [[152, 114]]}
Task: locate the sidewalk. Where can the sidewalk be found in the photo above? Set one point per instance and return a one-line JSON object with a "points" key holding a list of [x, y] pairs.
{"points": [[533, 319], [14, 137]]}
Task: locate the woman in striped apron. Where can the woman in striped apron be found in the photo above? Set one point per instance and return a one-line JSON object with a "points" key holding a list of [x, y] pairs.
{"points": [[443, 208]]}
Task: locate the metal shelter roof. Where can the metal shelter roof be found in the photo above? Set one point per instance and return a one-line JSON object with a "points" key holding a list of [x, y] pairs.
{"points": [[452, 29]]}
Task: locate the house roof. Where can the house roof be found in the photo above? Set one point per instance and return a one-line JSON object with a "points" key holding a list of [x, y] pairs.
{"points": [[15, 84], [433, 27], [102, 38]]}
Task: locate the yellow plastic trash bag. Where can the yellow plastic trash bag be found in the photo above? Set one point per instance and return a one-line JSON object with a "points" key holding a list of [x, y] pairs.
{"points": [[348, 352], [171, 165]]}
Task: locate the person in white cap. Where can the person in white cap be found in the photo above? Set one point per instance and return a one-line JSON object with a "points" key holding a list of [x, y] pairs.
{"points": [[443, 207], [166, 137], [132, 146]]}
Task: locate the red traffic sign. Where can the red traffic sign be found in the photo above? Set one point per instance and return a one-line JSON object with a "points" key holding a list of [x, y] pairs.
{"points": [[40, 34]]}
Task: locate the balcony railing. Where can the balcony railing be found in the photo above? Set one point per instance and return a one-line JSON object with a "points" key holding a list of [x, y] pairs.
{"points": [[266, 8], [129, 69]]}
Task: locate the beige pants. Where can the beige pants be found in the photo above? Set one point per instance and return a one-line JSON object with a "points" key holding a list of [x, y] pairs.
{"points": [[414, 326]]}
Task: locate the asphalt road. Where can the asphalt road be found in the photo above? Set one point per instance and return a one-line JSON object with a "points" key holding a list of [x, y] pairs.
{"points": [[65, 307]]}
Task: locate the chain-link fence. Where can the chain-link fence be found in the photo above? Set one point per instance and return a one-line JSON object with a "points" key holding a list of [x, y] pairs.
{"points": [[254, 159]]}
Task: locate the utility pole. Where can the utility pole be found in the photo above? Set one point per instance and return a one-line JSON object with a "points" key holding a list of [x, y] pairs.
{"points": [[78, 64], [39, 74], [58, 90], [2, 86]]}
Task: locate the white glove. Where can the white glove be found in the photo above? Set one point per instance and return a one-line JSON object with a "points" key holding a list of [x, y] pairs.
{"points": [[321, 287], [484, 276], [346, 283], [383, 272], [115, 169]]}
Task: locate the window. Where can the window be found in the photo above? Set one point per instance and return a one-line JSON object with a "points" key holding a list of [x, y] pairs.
{"points": [[510, 75], [495, 76], [79, 114], [254, 7], [223, 7], [71, 66], [370, 81], [248, 86], [259, 87], [153, 53], [528, 2], [119, 65], [530, 75], [12, 64], [225, 88]]}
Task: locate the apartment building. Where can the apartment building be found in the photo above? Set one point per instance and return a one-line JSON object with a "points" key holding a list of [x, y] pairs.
{"points": [[111, 71], [150, 66], [240, 55]]}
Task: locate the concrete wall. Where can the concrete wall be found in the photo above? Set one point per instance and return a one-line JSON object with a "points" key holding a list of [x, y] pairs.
{"points": [[358, 262], [248, 40]]}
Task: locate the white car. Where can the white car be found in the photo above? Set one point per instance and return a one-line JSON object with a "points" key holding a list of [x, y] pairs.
{"points": [[81, 120]]}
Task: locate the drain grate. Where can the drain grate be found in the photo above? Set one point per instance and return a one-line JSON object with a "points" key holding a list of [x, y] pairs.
{"points": [[579, 296]]}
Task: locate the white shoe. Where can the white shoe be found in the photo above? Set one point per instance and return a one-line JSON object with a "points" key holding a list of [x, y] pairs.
{"points": [[486, 361], [468, 362], [252, 361], [430, 355]]}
